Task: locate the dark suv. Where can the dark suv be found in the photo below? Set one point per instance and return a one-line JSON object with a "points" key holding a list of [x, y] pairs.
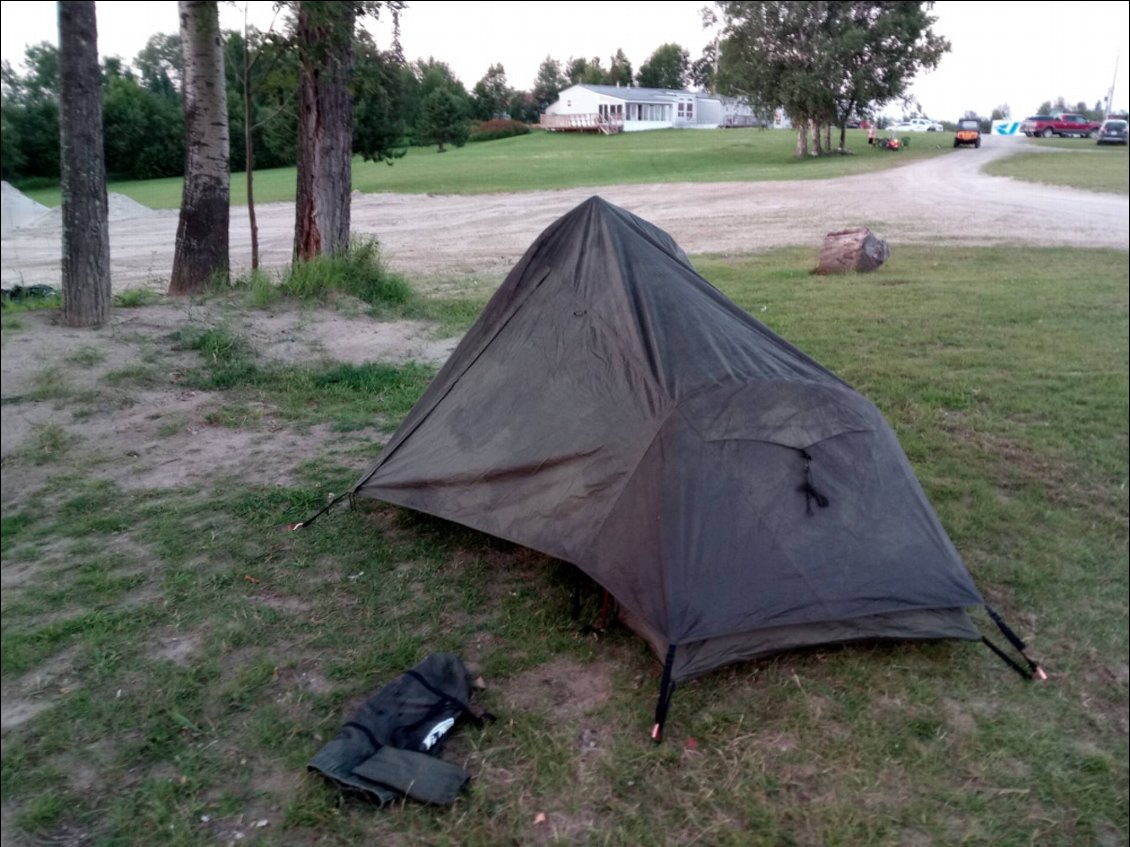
{"points": [[1113, 131]]}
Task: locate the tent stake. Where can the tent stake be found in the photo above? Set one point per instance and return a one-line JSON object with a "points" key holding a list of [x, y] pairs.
{"points": [[666, 693]]}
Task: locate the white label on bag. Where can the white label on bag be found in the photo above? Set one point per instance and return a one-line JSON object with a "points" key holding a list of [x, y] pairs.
{"points": [[438, 732]]}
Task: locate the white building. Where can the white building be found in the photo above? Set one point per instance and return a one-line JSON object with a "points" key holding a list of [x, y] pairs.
{"points": [[737, 112], [614, 108]]}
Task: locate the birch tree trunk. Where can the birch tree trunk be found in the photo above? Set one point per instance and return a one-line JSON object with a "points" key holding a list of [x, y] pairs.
{"points": [[325, 129], [86, 233], [801, 139], [249, 147], [201, 253]]}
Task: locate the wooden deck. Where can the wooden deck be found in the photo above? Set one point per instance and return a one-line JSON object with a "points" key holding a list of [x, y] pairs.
{"points": [[582, 123]]}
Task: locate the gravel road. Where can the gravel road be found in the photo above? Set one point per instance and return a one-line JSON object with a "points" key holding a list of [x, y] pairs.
{"points": [[947, 199]]}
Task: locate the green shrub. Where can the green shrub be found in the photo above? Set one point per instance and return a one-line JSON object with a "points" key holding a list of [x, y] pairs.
{"points": [[48, 443], [30, 298], [133, 298], [359, 272], [259, 289], [229, 360], [214, 343], [35, 183], [499, 128]]}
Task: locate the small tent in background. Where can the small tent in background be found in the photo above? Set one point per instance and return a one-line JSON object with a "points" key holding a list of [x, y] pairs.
{"points": [[613, 409]]}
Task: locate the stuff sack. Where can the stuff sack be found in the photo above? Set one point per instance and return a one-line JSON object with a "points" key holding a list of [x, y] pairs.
{"points": [[389, 747]]}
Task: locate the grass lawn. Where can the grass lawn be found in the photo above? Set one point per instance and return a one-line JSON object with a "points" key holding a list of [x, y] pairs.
{"points": [[1088, 166], [189, 657], [565, 160]]}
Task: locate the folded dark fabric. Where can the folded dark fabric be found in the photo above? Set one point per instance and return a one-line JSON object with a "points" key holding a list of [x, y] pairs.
{"points": [[418, 775], [387, 748], [339, 757]]}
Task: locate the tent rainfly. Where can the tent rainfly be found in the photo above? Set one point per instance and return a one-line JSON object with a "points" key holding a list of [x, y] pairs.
{"points": [[611, 408]]}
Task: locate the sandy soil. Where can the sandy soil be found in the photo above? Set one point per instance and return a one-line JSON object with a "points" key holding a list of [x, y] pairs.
{"points": [[945, 199], [158, 435]]}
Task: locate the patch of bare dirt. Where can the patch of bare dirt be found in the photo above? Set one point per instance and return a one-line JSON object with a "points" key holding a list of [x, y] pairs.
{"points": [[295, 682], [556, 827], [85, 768], [181, 649], [258, 817], [37, 690], [17, 711], [564, 689], [18, 574], [280, 601], [10, 836], [958, 717], [146, 430]]}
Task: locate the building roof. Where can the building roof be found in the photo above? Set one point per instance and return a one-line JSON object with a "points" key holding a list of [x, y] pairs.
{"points": [[641, 95]]}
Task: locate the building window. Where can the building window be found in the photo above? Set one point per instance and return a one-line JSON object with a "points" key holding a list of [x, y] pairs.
{"points": [[690, 111]]}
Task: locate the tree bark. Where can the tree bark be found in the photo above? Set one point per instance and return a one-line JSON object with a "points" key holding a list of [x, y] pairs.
{"points": [[852, 250], [249, 148], [86, 232], [801, 139], [325, 129], [201, 253]]}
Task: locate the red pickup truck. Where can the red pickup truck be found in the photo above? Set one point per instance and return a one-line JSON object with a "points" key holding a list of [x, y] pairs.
{"points": [[1065, 125]]}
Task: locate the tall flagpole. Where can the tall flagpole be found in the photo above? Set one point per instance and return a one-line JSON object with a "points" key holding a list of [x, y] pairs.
{"points": [[1113, 83]]}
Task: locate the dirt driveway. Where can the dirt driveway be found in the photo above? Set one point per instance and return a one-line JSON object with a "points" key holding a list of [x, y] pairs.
{"points": [[945, 199]]}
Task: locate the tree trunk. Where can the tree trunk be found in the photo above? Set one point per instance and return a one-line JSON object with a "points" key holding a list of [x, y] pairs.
{"points": [[801, 139], [325, 129], [828, 138], [249, 149], [86, 232], [818, 150], [201, 253], [852, 250]]}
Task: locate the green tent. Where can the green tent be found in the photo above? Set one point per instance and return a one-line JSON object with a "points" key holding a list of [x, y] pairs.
{"points": [[611, 408]]}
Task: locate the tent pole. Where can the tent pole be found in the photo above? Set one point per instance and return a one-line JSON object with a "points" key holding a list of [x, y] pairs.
{"points": [[666, 692], [1034, 670]]}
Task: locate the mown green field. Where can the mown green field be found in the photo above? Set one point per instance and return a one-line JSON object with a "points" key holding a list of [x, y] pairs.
{"points": [[565, 160], [190, 657], [1088, 166]]}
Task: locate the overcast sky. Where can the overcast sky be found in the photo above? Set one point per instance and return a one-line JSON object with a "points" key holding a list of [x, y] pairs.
{"points": [[1015, 53]]}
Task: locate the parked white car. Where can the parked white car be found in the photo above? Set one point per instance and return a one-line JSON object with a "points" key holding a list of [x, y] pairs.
{"points": [[918, 125]]}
